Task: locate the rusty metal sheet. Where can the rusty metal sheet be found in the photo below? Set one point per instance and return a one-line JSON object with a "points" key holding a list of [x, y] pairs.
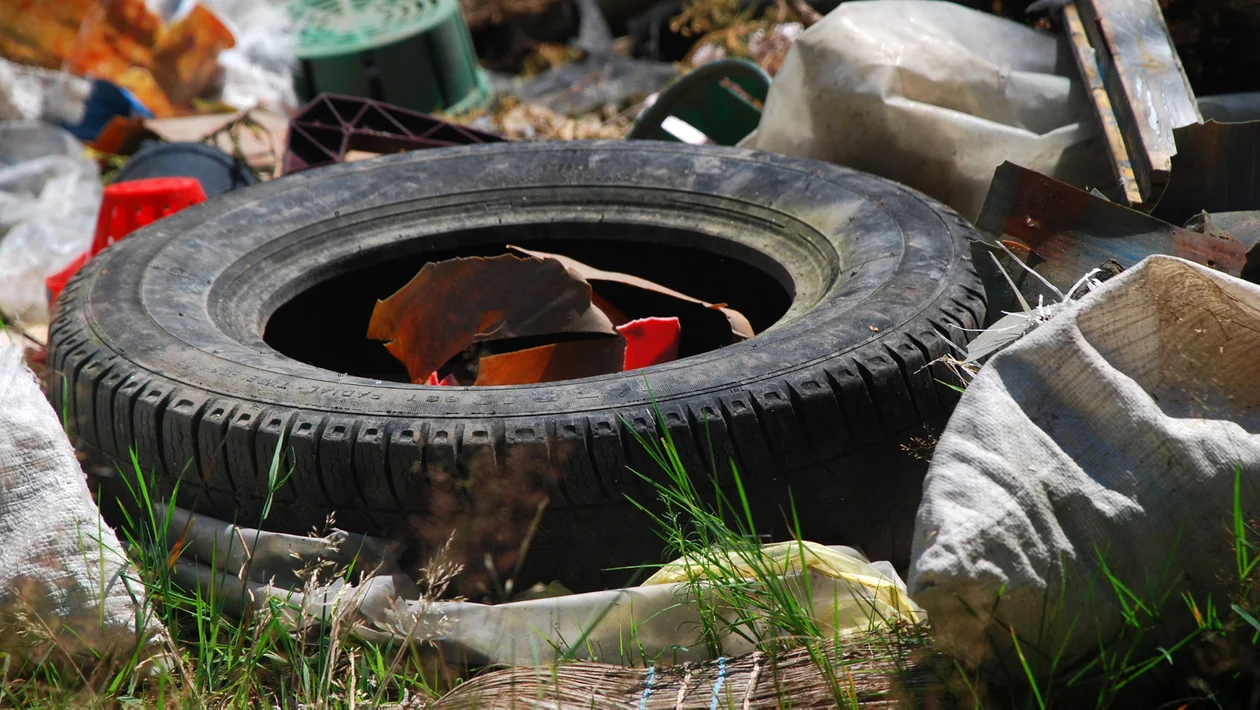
{"points": [[1146, 84], [1064, 232], [1215, 170], [741, 329], [1243, 226], [452, 304]]}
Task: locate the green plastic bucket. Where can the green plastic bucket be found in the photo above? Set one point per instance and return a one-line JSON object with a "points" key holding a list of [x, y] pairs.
{"points": [[411, 53]]}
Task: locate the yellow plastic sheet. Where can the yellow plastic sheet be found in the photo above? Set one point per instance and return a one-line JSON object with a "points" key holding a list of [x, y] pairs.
{"points": [[861, 591]]}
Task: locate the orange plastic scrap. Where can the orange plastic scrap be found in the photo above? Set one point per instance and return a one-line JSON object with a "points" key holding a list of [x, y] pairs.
{"points": [[185, 59], [650, 341], [551, 363], [448, 381], [452, 304], [119, 40]]}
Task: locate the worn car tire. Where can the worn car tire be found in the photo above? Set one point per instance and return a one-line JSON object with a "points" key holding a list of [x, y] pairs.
{"points": [[157, 346]]}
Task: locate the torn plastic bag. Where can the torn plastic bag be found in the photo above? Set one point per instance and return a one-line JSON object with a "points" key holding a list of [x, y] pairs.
{"points": [[659, 620], [1109, 436], [272, 557], [936, 96], [65, 583], [50, 194]]}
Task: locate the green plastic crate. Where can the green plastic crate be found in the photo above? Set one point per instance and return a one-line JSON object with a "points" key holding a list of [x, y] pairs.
{"points": [[411, 53]]}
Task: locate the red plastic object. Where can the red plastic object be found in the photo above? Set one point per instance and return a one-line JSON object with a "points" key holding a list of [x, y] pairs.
{"points": [[650, 341], [53, 284], [448, 381], [126, 207]]}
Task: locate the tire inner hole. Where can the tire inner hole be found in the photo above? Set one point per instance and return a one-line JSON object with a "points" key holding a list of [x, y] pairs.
{"points": [[326, 324]]}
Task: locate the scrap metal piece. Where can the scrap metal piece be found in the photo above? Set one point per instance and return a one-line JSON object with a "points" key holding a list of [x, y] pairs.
{"points": [[1066, 232], [1124, 45], [449, 305], [1243, 226], [553, 362], [741, 329], [1216, 171]]}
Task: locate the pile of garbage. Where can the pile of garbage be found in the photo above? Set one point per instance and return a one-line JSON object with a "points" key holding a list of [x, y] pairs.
{"points": [[1105, 447]]}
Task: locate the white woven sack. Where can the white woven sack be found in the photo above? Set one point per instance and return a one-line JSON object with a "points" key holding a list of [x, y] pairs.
{"points": [[64, 583], [1110, 434]]}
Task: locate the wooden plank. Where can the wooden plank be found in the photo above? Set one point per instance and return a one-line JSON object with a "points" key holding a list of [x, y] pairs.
{"points": [[1091, 73], [1145, 81]]}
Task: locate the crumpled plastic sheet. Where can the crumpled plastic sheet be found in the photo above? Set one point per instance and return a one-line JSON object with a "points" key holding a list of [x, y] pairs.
{"points": [[936, 96], [50, 194], [258, 70]]}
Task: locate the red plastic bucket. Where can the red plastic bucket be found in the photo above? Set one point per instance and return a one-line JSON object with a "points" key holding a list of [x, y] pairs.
{"points": [[126, 207]]}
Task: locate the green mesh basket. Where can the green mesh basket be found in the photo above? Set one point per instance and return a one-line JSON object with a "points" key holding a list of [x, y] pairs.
{"points": [[411, 53]]}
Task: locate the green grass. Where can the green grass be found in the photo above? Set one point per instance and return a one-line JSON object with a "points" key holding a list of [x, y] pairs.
{"points": [[1130, 668]]}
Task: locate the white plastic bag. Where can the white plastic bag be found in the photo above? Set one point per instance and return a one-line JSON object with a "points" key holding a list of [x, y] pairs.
{"points": [[50, 194], [659, 621], [62, 573], [936, 96], [1105, 441]]}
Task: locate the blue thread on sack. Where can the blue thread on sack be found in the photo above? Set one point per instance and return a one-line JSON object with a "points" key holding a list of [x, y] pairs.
{"points": [[717, 687], [647, 687]]}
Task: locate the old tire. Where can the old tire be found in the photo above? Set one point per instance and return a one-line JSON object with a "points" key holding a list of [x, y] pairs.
{"points": [[158, 346]]}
